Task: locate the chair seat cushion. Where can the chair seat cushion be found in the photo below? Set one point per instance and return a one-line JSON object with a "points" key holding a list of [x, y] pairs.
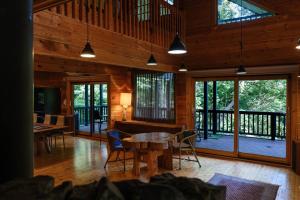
{"points": [[183, 145]]}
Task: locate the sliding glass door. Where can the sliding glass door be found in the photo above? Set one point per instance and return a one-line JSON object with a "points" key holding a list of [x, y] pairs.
{"points": [[90, 106], [262, 108], [244, 117], [214, 115]]}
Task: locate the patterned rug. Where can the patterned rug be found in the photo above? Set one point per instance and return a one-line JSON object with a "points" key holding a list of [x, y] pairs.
{"points": [[242, 189]]}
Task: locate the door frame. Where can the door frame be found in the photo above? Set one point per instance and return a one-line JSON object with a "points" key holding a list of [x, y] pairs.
{"points": [[99, 79], [236, 153]]}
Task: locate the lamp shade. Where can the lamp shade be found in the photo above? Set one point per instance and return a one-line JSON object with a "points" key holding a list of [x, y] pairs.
{"points": [[298, 45], [183, 68], [177, 46], [125, 99], [87, 51], [241, 70], [151, 60]]}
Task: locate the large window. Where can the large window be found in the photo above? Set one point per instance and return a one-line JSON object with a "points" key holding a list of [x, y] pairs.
{"points": [[230, 11], [154, 96]]}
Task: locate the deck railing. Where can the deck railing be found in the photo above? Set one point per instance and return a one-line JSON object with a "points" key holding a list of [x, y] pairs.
{"points": [[270, 125], [84, 113], [154, 21]]}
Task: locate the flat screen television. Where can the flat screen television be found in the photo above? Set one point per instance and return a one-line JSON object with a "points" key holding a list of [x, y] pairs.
{"points": [[47, 101]]}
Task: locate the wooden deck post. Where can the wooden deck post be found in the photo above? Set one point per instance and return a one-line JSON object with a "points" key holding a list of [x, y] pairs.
{"points": [[214, 107], [86, 104], [16, 144], [273, 126], [205, 113]]}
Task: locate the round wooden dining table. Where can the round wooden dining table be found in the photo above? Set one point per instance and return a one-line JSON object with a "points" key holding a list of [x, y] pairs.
{"points": [[153, 147]]}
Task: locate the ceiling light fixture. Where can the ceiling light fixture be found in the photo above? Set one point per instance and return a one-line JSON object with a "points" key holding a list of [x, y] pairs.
{"points": [[183, 68], [241, 69], [151, 60], [298, 45], [177, 46], [87, 51]]}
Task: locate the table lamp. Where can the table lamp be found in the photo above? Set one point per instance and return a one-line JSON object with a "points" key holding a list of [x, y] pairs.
{"points": [[125, 101]]}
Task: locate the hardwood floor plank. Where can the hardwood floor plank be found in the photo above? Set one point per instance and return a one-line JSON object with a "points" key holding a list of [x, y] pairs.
{"points": [[83, 160]]}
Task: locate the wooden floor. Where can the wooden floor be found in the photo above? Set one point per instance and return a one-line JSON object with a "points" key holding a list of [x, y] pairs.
{"points": [[83, 160]]}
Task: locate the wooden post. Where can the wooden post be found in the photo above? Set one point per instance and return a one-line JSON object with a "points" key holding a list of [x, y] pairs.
{"points": [[273, 126], [214, 107], [205, 112], [16, 144], [86, 104]]}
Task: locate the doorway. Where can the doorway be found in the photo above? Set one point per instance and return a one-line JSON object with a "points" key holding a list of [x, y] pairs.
{"points": [[90, 107], [242, 117]]}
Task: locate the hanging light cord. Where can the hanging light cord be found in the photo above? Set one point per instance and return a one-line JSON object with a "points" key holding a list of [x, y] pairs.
{"points": [[87, 21], [241, 42]]}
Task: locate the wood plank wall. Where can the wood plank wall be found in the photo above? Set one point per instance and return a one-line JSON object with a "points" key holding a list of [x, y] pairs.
{"points": [[64, 37], [129, 17], [120, 79], [267, 41]]}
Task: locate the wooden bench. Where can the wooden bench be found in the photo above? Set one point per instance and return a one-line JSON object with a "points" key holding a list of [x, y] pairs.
{"points": [[135, 127]]}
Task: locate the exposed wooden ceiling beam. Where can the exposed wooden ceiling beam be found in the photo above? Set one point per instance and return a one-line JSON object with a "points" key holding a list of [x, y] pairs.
{"points": [[40, 5]]}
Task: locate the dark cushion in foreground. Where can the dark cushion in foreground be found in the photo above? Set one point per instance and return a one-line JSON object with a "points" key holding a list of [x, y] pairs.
{"points": [[162, 187]]}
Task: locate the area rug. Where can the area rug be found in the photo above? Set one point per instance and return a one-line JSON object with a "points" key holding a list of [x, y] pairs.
{"points": [[242, 189]]}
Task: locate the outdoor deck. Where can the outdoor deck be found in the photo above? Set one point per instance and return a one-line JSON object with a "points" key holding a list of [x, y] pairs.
{"points": [[86, 129], [274, 148]]}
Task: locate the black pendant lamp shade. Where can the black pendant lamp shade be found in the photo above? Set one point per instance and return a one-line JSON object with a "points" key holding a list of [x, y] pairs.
{"points": [[88, 51], [241, 70], [151, 60], [177, 46], [183, 68], [298, 45]]}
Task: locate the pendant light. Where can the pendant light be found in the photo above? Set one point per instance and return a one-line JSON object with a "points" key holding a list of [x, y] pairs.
{"points": [[87, 51], [177, 46], [151, 60], [183, 68], [298, 45], [241, 69]]}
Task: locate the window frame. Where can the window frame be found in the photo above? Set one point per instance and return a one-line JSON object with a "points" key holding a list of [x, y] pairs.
{"points": [[238, 20], [134, 93]]}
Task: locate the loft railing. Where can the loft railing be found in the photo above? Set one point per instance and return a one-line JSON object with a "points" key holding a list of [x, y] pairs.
{"points": [[154, 21], [83, 113], [269, 125]]}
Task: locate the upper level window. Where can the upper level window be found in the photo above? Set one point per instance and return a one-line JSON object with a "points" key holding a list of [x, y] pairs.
{"points": [[143, 10], [171, 2], [230, 11]]}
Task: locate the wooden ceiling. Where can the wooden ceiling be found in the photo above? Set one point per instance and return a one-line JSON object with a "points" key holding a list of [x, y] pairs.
{"points": [[268, 41]]}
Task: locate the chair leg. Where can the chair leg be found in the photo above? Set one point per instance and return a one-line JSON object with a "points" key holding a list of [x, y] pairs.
{"points": [[107, 159], [193, 150], [118, 155], [124, 161], [180, 159], [55, 141], [63, 137]]}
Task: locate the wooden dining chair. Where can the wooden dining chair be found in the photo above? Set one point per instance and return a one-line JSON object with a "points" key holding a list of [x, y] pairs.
{"points": [[59, 122], [185, 142], [114, 138], [47, 119]]}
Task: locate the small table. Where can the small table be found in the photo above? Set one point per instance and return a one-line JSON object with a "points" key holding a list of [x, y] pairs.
{"points": [[155, 147], [40, 133]]}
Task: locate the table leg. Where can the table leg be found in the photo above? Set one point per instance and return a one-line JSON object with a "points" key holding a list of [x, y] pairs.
{"points": [[136, 163], [166, 160], [152, 163]]}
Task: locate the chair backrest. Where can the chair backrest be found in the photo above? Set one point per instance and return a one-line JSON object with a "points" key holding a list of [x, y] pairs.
{"points": [[60, 120], [47, 119], [114, 139], [34, 118], [189, 133]]}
